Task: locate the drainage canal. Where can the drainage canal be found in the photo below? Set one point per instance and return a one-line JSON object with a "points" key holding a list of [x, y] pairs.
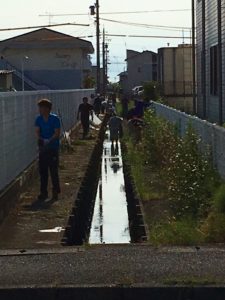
{"points": [[107, 209], [110, 222]]}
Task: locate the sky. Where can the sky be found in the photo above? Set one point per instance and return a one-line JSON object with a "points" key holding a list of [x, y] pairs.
{"points": [[26, 13]]}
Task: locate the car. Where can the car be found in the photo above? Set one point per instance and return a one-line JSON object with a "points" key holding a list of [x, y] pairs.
{"points": [[138, 90]]}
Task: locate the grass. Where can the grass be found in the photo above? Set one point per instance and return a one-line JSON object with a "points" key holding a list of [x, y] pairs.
{"points": [[182, 195], [176, 232]]}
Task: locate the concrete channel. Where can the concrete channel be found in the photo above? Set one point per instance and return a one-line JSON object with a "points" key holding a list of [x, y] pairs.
{"points": [[107, 209]]}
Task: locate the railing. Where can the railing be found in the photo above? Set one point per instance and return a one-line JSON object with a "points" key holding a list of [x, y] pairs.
{"points": [[19, 74]]}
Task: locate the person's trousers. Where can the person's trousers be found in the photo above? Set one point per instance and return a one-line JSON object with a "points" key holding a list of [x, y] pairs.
{"points": [[86, 127], [49, 162]]}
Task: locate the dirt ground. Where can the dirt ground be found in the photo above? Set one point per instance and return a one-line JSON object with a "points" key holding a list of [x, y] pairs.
{"points": [[34, 225]]}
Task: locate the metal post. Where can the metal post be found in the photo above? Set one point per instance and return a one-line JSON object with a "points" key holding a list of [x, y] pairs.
{"points": [[220, 75], [194, 57], [98, 47]]}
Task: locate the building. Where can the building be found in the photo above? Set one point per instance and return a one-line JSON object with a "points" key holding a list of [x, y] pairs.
{"points": [[123, 81], [47, 59], [210, 60], [175, 76], [6, 80], [141, 67]]}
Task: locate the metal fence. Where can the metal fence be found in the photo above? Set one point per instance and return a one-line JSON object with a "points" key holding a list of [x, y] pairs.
{"points": [[18, 147], [211, 135]]}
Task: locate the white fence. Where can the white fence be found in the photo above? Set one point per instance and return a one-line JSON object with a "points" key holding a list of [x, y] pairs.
{"points": [[211, 135], [18, 147]]}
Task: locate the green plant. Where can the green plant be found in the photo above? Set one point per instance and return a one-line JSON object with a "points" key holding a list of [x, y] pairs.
{"points": [[176, 232], [191, 178], [214, 227], [152, 90], [218, 199]]}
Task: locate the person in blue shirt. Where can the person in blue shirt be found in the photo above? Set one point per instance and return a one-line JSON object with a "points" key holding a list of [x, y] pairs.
{"points": [[48, 134]]}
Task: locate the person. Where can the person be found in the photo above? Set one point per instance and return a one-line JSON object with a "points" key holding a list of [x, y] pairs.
{"points": [[97, 105], [84, 112], [48, 135], [115, 128]]}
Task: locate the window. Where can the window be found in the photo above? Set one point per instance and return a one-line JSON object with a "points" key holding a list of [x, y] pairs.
{"points": [[214, 68]]}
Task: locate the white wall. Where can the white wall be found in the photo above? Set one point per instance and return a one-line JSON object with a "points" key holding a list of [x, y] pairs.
{"points": [[18, 111]]}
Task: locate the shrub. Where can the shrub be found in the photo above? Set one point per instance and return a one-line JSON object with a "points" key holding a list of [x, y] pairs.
{"points": [[214, 227], [152, 90], [176, 232], [218, 199], [159, 140], [189, 176]]}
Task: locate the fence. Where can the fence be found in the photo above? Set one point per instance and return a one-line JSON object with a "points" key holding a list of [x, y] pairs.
{"points": [[211, 135], [18, 147]]}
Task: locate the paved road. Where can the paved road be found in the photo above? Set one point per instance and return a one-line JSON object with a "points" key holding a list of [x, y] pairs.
{"points": [[113, 265]]}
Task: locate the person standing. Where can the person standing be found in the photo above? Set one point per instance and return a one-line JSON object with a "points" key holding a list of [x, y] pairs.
{"points": [[84, 112], [48, 134], [115, 128], [97, 105]]}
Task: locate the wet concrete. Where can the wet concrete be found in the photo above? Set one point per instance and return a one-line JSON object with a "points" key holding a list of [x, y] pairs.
{"points": [[110, 221]]}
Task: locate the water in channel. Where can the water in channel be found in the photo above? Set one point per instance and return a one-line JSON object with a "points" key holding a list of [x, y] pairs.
{"points": [[110, 223]]}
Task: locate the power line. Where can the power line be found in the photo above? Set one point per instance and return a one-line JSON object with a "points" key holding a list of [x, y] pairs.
{"points": [[42, 26], [149, 36], [119, 12], [147, 25]]}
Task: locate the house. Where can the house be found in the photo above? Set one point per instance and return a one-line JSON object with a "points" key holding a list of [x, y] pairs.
{"points": [[141, 67], [210, 23], [123, 81], [47, 59], [175, 75]]}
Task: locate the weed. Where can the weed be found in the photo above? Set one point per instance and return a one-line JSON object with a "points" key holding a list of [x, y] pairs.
{"points": [[176, 232]]}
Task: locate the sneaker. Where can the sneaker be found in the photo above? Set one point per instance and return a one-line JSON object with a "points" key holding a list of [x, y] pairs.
{"points": [[42, 197]]}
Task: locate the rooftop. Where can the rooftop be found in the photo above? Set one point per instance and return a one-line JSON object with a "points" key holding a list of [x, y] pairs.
{"points": [[45, 38]]}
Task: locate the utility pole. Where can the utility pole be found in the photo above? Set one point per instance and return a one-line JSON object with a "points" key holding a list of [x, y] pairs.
{"points": [[104, 62], [98, 47], [194, 57]]}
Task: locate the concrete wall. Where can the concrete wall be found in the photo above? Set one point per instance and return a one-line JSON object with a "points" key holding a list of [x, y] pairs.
{"points": [[17, 114], [211, 135]]}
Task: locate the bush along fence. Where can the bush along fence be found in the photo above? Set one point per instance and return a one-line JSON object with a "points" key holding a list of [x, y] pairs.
{"points": [[212, 136], [18, 147], [183, 194]]}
